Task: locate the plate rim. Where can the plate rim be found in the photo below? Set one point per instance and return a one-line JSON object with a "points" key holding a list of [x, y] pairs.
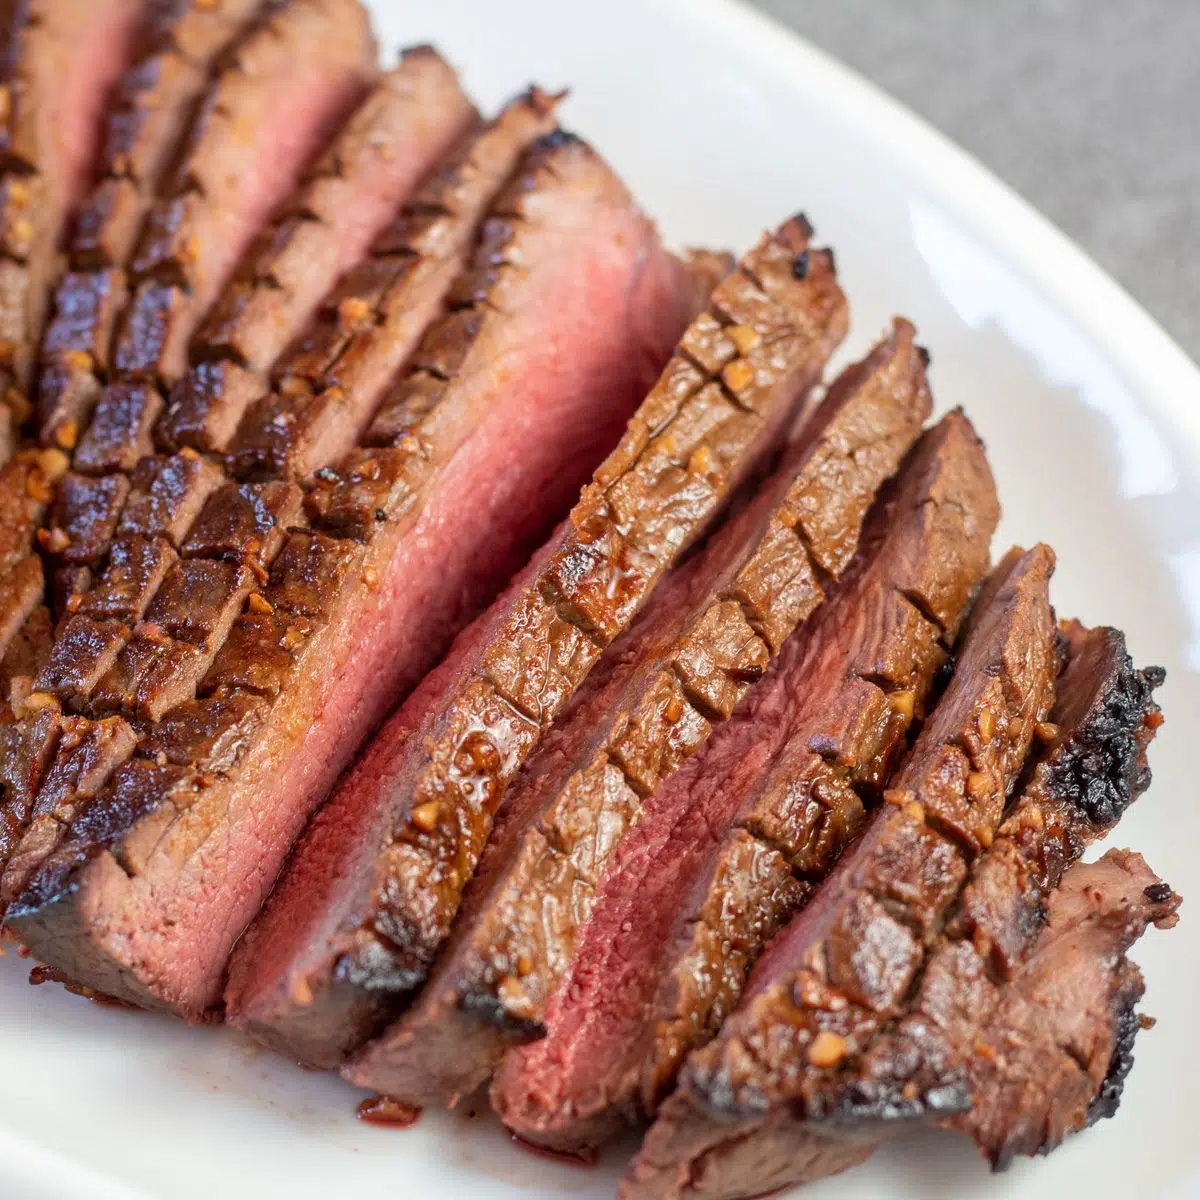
{"points": [[1134, 341]]}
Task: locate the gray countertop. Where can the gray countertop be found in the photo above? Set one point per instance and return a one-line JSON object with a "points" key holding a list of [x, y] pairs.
{"points": [[1089, 108]]}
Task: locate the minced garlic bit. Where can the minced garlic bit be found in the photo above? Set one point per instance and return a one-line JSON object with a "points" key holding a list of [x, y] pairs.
{"points": [[744, 337], [738, 375], [425, 816], [827, 1049]]}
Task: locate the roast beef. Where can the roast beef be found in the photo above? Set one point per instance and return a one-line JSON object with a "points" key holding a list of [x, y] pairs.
{"points": [[1040, 1054], [98, 650], [403, 127], [58, 60], [154, 101], [648, 706], [563, 319], [371, 893], [844, 967], [735, 842], [203, 83]]}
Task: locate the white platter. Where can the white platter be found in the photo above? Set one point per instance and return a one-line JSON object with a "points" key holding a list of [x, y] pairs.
{"points": [[723, 123]]}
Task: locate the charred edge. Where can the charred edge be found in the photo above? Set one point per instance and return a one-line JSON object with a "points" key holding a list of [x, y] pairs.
{"points": [[1108, 1098], [483, 1003], [1104, 769], [864, 1101]]}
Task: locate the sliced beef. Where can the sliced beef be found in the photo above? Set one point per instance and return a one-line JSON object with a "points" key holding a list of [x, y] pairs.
{"points": [[200, 152], [211, 128], [370, 895], [27, 486], [648, 706], [844, 968], [155, 878], [58, 60], [736, 842], [1043, 1054], [1054, 1054], [120, 649], [282, 93], [382, 316], [404, 126], [177, 57]]}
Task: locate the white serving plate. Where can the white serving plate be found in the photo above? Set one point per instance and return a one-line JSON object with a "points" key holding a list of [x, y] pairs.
{"points": [[723, 123]]}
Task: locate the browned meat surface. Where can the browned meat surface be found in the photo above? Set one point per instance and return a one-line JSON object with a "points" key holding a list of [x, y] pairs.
{"points": [[153, 102], [681, 669], [842, 972], [210, 128], [736, 842], [58, 60], [1025, 1060], [101, 660], [1054, 1053], [371, 893], [333, 610], [408, 122], [334, 381]]}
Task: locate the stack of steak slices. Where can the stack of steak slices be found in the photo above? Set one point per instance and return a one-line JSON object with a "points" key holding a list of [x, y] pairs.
{"points": [[224, 647], [708, 634], [956, 967], [59, 62], [764, 830], [371, 894], [734, 843]]}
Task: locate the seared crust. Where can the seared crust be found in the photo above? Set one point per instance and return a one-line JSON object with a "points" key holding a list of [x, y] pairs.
{"points": [[285, 616], [413, 116], [56, 58], [748, 830], [649, 500], [155, 100], [382, 316], [530, 658], [120, 515], [1009, 966], [675, 676]]}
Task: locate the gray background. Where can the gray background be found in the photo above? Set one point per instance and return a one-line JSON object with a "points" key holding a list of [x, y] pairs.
{"points": [[1089, 108]]}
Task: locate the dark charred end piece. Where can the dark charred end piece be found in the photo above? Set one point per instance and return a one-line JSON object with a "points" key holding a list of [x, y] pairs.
{"points": [[1105, 768]]}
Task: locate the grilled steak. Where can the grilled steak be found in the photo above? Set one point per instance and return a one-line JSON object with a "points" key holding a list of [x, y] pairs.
{"points": [[331, 386], [843, 969], [141, 563], [240, 737], [649, 704], [219, 65], [155, 99], [371, 893], [404, 126], [58, 60], [1031, 1058], [737, 840]]}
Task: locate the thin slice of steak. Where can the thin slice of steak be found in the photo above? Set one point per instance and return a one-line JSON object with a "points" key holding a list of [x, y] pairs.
{"points": [[834, 978], [648, 706], [58, 61], [737, 841], [408, 122], [154, 100], [1031, 1058], [558, 327], [330, 386], [372, 892], [104, 659], [197, 99], [221, 142]]}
